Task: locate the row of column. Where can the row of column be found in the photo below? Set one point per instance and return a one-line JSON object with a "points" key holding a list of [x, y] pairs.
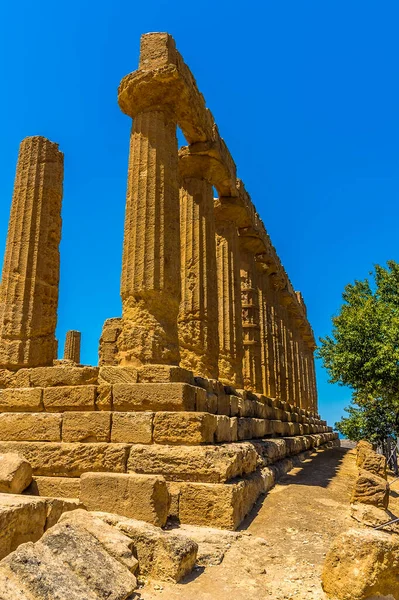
{"points": [[191, 292]]}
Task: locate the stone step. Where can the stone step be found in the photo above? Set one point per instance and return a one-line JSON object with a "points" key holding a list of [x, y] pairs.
{"points": [[70, 460], [163, 427], [194, 463], [134, 397]]}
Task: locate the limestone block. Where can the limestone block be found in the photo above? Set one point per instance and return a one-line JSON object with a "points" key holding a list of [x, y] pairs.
{"points": [[260, 428], [24, 519], [234, 429], [246, 408], [206, 401], [261, 411], [162, 555], [62, 376], [223, 401], [118, 545], [74, 398], [104, 397], [86, 427], [194, 463], [164, 374], [184, 428], [143, 497], [30, 427], [117, 375], [374, 463], [362, 449], [56, 487], [21, 400], [234, 400], [362, 564], [245, 428], [69, 460], [69, 562], [133, 427], [15, 473], [153, 396], [277, 427], [371, 489], [223, 431], [219, 505]]}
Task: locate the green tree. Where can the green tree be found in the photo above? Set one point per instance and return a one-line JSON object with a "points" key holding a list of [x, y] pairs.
{"points": [[363, 353]]}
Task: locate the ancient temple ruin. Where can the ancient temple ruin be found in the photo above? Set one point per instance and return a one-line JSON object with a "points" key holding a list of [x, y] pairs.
{"points": [[205, 388]]}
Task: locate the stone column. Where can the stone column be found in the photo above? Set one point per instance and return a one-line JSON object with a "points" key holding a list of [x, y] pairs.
{"points": [[29, 289], [198, 314], [280, 348], [150, 284], [313, 386], [72, 346], [252, 369], [266, 332], [229, 304]]}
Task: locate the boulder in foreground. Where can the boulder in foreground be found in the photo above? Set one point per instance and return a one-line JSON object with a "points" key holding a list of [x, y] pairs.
{"points": [[361, 565]]}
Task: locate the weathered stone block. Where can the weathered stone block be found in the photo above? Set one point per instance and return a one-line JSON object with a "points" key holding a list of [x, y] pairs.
{"points": [[375, 463], [74, 398], [15, 473], [194, 463], [62, 376], [54, 487], [184, 428], [117, 544], [162, 555], [133, 427], [69, 460], [223, 405], [153, 396], [30, 427], [21, 400], [234, 400], [143, 497], [86, 427], [68, 562], [219, 505], [114, 375], [234, 429], [104, 397], [362, 564], [223, 431], [371, 489], [164, 374], [245, 428]]}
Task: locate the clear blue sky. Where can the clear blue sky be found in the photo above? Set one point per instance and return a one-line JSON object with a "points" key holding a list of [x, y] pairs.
{"points": [[305, 94]]}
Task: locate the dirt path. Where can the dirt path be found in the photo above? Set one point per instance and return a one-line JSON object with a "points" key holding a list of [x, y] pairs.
{"points": [[279, 552]]}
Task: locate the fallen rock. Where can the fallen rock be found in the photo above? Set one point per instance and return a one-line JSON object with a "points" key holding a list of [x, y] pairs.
{"points": [[371, 516], [67, 562], [25, 519], [371, 489], [362, 564], [113, 540], [161, 554], [363, 448], [15, 474], [374, 463]]}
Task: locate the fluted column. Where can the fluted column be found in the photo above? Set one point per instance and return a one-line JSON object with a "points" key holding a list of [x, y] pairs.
{"points": [[229, 304], [280, 349], [150, 284], [29, 288], [72, 346], [198, 314], [266, 332], [252, 368]]}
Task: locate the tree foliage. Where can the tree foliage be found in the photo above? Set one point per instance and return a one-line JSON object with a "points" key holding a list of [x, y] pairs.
{"points": [[363, 353]]}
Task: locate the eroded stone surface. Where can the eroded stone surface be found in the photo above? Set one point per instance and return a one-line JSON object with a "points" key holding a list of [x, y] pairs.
{"points": [[15, 473]]}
